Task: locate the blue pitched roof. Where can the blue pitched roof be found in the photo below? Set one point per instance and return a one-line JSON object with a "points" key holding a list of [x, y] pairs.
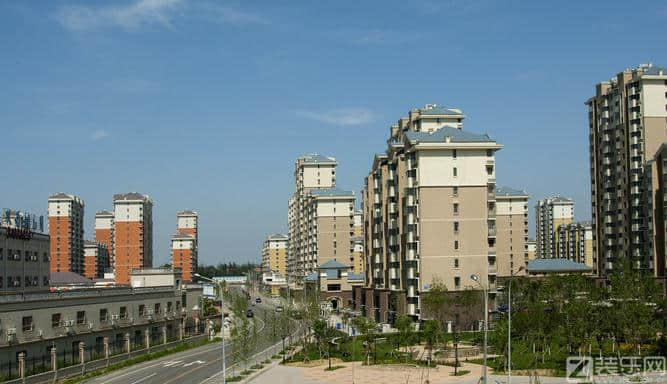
{"points": [[507, 191], [440, 111], [439, 136], [355, 276], [556, 266], [330, 192], [333, 264], [317, 158]]}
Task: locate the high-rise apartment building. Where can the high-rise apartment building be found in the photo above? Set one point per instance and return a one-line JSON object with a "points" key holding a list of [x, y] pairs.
{"points": [[185, 244], [549, 214], [656, 213], [627, 125], [531, 246], [66, 233], [133, 234], [274, 254], [104, 228], [358, 261], [574, 242], [429, 209], [311, 171], [512, 231], [96, 259]]}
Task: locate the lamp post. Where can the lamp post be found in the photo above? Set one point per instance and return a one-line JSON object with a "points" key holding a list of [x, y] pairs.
{"points": [[476, 279], [222, 324], [509, 326]]}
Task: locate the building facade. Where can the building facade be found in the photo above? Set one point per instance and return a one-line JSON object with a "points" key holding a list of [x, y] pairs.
{"points": [[549, 214], [184, 255], [656, 212], [66, 233], [575, 242], [627, 124], [274, 254], [104, 231], [24, 260], [97, 260], [429, 208], [512, 232], [133, 234]]}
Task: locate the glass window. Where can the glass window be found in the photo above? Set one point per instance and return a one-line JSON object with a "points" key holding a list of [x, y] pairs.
{"points": [[56, 320], [104, 315], [81, 317], [27, 323]]}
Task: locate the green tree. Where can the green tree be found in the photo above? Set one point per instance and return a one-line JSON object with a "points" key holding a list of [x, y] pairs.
{"points": [[405, 328], [368, 330]]}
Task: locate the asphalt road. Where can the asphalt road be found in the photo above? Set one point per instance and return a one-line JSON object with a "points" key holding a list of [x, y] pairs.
{"points": [[198, 365]]}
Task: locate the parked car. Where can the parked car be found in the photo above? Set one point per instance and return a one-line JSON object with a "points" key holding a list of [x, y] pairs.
{"points": [[279, 309], [258, 300], [249, 313]]}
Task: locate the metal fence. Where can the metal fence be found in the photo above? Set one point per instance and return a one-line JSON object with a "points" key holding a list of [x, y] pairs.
{"points": [[68, 357], [37, 364], [9, 370]]}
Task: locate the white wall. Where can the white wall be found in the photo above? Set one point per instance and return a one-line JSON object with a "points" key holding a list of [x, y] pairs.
{"points": [[183, 244], [326, 208], [124, 212], [310, 175], [436, 167], [653, 98], [563, 211], [187, 222], [64, 207], [518, 207], [103, 223]]}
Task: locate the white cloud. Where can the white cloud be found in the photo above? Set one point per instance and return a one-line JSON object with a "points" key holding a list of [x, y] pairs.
{"points": [[99, 135], [128, 16], [136, 13], [343, 116]]}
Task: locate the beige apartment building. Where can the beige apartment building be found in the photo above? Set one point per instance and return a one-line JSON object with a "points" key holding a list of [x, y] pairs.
{"points": [[274, 254], [575, 242], [429, 209], [320, 218], [512, 232], [627, 124], [66, 233], [133, 234], [550, 213], [656, 212]]}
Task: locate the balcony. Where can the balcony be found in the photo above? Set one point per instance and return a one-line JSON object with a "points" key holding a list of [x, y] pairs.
{"points": [[493, 269], [492, 232]]}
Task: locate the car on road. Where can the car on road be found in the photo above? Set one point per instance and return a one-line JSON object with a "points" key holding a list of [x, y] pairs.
{"points": [[249, 313], [258, 300], [279, 309]]}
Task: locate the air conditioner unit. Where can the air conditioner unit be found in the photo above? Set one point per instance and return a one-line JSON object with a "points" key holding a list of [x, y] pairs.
{"points": [[90, 325], [40, 333], [69, 323], [114, 317]]}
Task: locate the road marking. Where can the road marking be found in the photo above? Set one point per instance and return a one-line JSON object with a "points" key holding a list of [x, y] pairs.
{"points": [[172, 363], [147, 377], [194, 362]]}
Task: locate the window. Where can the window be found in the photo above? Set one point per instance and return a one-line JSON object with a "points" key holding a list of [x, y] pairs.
{"points": [[456, 244], [104, 315], [456, 226], [56, 320], [455, 172], [333, 287], [489, 152], [178, 305], [123, 312], [489, 170], [45, 281], [157, 308], [27, 323], [455, 191], [81, 317], [142, 310], [456, 208], [457, 282], [454, 153], [2, 283], [169, 309], [2, 252], [456, 263]]}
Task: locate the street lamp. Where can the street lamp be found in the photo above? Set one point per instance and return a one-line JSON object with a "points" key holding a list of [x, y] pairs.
{"points": [[477, 280], [509, 326], [222, 324]]}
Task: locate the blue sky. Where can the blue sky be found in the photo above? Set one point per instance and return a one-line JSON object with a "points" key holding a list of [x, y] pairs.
{"points": [[205, 104]]}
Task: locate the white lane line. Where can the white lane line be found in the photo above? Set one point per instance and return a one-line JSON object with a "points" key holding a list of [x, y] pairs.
{"points": [[132, 372], [140, 380]]}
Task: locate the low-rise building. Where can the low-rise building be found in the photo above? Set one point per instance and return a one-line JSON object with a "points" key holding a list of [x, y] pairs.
{"points": [[24, 260], [274, 282], [334, 283]]}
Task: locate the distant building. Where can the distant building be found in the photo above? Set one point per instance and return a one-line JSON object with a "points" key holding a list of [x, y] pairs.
{"points": [[575, 242], [156, 277], [66, 233], [96, 261], [184, 255], [104, 232], [554, 266], [512, 231], [24, 260], [357, 260], [549, 214], [627, 125], [274, 282], [531, 248], [274, 254], [133, 234]]}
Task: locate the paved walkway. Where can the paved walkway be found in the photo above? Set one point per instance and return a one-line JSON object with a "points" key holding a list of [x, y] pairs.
{"points": [[384, 374]]}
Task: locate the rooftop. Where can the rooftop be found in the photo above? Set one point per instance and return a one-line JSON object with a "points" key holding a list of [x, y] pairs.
{"points": [[333, 264], [556, 266], [507, 191], [103, 212], [330, 192], [131, 196], [317, 158], [434, 109], [277, 236], [68, 278], [355, 276], [455, 135], [186, 212], [63, 196]]}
